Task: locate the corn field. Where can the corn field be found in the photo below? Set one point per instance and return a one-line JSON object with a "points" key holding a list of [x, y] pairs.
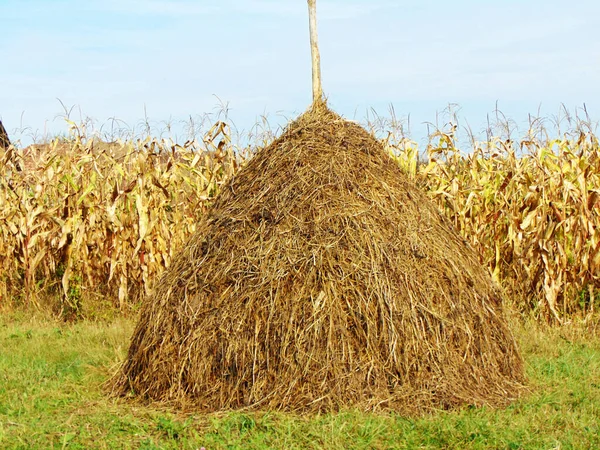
{"points": [[86, 226]]}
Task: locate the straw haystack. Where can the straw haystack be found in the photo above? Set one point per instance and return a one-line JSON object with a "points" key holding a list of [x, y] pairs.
{"points": [[322, 278], [4, 139]]}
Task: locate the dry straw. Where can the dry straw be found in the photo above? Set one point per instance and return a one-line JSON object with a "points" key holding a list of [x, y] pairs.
{"points": [[322, 278]]}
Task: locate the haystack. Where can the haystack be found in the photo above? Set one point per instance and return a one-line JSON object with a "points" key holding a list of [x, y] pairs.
{"points": [[322, 278], [4, 139]]}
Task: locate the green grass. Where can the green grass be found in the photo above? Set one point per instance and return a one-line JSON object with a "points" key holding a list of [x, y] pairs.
{"points": [[51, 397]]}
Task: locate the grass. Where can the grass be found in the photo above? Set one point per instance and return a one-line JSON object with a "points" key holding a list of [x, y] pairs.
{"points": [[51, 397]]}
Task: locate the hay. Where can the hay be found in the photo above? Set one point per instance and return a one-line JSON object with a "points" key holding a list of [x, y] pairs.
{"points": [[4, 139], [322, 278]]}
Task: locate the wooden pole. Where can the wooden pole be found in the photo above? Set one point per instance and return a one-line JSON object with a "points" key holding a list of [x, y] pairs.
{"points": [[317, 88]]}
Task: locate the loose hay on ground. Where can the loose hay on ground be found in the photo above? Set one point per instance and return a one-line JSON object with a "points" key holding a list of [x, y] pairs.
{"points": [[323, 278]]}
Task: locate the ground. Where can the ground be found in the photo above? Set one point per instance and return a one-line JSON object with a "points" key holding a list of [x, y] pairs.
{"points": [[51, 397]]}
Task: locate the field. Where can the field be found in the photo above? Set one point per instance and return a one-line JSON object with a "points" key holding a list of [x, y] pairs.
{"points": [[86, 226], [51, 397]]}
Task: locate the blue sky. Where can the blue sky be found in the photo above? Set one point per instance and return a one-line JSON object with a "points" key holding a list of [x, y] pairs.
{"points": [[169, 60]]}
